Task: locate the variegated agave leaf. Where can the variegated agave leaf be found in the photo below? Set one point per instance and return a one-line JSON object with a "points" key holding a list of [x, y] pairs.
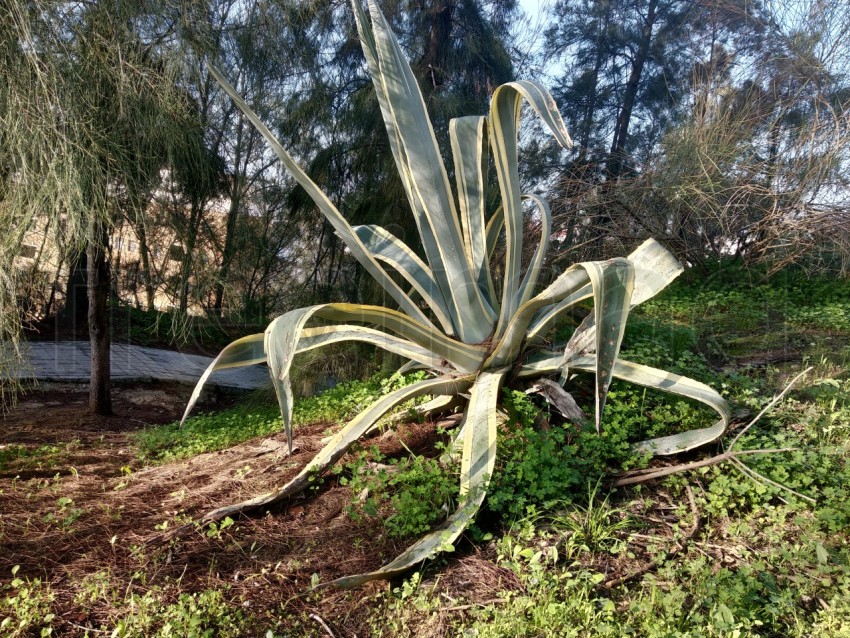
{"points": [[487, 337]]}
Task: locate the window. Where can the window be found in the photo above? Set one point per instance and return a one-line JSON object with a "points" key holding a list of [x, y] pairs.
{"points": [[28, 251]]}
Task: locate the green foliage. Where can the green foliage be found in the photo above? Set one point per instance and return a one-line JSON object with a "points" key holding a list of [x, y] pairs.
{"points": [[731, 318], [766, 592], [537, 466], [13, 455], [411, 494], [25, 607], [200, 615], [593, 527], [210, 432], [160, 611]]}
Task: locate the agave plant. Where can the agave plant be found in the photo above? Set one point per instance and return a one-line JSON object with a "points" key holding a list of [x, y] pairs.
{"points": [[474, 333]]}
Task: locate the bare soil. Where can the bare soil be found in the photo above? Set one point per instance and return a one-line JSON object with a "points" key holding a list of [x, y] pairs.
{"points": [[119, 509]]}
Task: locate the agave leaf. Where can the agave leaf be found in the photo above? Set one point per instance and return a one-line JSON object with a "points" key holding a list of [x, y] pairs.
{"points": [[242, 352], [504, 129], [531, 276], [562, 400], [683, 386], [477, 463], [469, 148], [437, 404], [546, 318], [651, 378], [463, 356], [613, 282], [250, 350], [326, 207], [312, 338], [654, 267], [424, 177], [388, 248], [342, 440], [284, 333], [495, 226]]}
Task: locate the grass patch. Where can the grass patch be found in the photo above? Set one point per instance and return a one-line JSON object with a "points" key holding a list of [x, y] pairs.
{"points": [[216, 431]]}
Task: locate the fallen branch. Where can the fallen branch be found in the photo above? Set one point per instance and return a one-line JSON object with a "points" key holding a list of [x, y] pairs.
{"points": [[324, 625]]}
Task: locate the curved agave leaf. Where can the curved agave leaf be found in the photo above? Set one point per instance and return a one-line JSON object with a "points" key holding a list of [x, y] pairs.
{"points": [[613, 283], [392, 251], [341, 441], [469, 148], [312, 338], [463, 356], [545, 319], [250, 350], [477, 463], [495, 226], [529, 280], [437, 404], [651, 378], [504, 126], [242, 352], [423, 174], [283, 335], [655, 268], [326, 207]]}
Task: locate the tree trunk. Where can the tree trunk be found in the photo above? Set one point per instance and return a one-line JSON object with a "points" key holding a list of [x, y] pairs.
{"points": [[100, 394], [241, 156], [141, 233], [433, 62], [195, 215], [621, 133]]}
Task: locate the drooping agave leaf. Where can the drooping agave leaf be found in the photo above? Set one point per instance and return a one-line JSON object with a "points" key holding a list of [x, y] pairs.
{"points": [[392, 251], [562, 400], [284, 333], [504, 130], [424, 176], [342, 440], [477, 463], [655, 268], [545, 319], [651, 378], [326, 207], [613, 282], [464, 357], [250, 350], [434, 406], [495, 226], [242, 352]]}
